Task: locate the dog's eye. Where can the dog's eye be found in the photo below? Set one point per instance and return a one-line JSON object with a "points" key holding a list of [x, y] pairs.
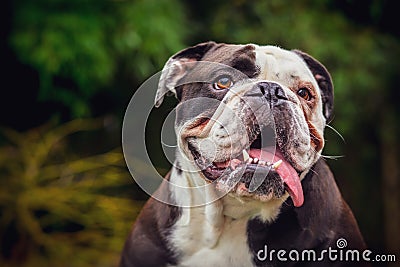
{"points": [[223, 82], [305, 93]]}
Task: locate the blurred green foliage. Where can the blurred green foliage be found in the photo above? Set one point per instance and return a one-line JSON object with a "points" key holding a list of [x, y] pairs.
{"points": [[54, 205], [78, 47]]}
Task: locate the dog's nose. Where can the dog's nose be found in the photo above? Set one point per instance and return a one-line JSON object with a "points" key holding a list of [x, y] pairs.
{"points": [[273, 92]]}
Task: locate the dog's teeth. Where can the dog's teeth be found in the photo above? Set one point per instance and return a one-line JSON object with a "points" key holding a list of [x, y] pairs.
{"points": [[250, 160], [276, 164], [255, 160], [245, 155], [261, 162]]}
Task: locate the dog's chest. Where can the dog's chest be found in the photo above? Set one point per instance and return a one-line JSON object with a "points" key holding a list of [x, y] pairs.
{"points": [[200, 244]]}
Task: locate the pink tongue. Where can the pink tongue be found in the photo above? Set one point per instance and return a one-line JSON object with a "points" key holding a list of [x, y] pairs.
{"points": [[285, 171]]}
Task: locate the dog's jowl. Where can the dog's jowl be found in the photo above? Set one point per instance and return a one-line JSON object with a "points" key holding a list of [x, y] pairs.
{"points": [[250, 127]]}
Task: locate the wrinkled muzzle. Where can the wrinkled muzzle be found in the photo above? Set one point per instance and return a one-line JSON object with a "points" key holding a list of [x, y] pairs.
{"points": [[235, 145]]}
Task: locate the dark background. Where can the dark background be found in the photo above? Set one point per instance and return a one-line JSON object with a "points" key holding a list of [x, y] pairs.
{"points": [[69, 69]]}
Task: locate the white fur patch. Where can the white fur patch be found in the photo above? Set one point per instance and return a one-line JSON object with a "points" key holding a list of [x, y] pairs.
{"points": [[194, 238], [215, 234]]}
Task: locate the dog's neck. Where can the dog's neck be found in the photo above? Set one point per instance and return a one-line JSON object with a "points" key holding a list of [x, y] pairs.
{"points": [[206, 222], [191, 192]]}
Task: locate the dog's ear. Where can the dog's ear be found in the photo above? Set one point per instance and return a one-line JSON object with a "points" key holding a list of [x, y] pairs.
{"points": [[176, 67], [324, 81]]}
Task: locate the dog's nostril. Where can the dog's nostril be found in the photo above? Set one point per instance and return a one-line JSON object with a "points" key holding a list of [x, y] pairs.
{"points": [[262, 88], [279, 93]]}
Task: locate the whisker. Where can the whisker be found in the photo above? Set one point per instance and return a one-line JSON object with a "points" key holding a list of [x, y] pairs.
{"points": [[311, 170], [337, 132], [332, 157]]}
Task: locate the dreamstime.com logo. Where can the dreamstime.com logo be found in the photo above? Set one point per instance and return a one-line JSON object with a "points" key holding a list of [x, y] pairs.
{"points": [[338, 254]]}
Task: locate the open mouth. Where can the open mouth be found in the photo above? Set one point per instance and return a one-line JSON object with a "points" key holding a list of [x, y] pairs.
{"points": [[259, 172]]}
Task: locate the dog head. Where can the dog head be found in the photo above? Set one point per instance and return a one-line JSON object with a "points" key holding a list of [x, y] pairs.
{"points": [[251, 118]]}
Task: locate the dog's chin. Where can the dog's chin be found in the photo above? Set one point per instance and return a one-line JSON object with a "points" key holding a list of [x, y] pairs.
{"points": [[260, 173], [252, 181]]}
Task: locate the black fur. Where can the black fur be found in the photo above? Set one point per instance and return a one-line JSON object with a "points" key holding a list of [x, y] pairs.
{"points": [[147, 244], [318, 224]]}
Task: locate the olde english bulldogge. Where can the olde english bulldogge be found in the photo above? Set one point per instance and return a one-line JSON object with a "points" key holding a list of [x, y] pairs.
{"points": [[250, 128]]}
